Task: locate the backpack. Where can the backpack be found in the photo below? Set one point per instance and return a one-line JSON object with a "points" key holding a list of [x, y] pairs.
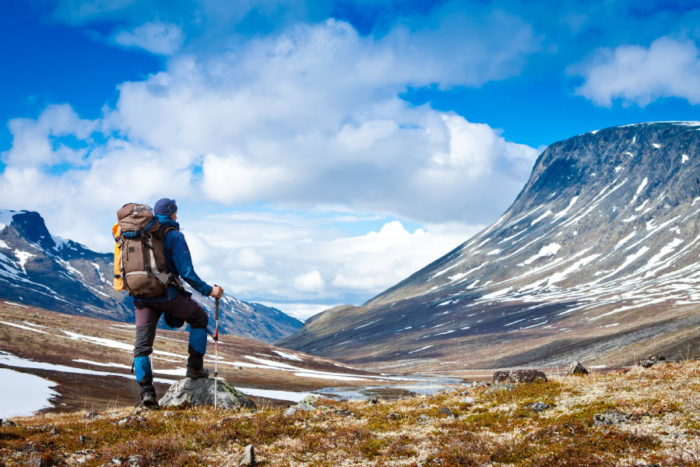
{"points": [[139, 253]]}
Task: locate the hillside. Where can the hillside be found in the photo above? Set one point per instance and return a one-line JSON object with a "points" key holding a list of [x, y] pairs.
{"points": [[39, 269], [87, 362], [624, 418], [596, 260]]}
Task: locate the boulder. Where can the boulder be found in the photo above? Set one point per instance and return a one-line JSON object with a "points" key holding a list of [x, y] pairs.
{"points": [[518, 376], [527, 376], [652, 360], [192, 392], [501, 377], [577, 369]]}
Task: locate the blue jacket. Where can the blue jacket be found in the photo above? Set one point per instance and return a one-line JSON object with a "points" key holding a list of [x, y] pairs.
{"points": [[179, 262]]}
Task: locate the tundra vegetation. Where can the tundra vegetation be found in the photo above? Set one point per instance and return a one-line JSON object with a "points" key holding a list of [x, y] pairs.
{"points": [[641, 416]]}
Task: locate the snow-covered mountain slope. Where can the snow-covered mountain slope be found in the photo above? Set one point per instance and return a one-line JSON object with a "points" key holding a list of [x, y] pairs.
{"points": [[41, 270], [597, 259]]}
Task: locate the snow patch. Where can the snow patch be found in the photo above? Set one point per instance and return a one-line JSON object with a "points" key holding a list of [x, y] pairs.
{"points": [[19, 326], [562, 213], [625, 240], [365, 325], [421, 349], [548, 213], [288, 356], [498, 293], [22, 257], [23, 394], [109, 364], [99, 272], [548, 250], [560, 276]]}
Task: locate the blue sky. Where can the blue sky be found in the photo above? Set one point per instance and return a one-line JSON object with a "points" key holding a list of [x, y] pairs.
{"points": [[320, 151]]}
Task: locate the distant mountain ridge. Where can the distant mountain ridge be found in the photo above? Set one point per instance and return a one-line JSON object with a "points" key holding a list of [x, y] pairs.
{"points": [[42, 270], [596, 259]]}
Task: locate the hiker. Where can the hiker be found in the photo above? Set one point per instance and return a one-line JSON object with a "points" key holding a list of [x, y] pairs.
{"points": [[175, 303]]}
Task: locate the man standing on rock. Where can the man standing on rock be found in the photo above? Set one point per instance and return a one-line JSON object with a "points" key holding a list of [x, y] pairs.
{"points": [[177, 305]]}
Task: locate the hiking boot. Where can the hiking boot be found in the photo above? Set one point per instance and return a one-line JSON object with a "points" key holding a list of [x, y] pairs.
{"points": [[197, 373], [148, 399]]}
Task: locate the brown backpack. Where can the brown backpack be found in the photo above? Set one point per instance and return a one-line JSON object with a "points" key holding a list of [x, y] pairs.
{"points": [[139, 253]]}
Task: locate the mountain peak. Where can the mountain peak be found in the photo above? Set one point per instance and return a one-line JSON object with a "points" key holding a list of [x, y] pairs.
{"points": [[598, 253], [30, 225]]}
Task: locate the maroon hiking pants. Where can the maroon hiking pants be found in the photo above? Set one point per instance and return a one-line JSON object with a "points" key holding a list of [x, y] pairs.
{"points": [[148, 314]]}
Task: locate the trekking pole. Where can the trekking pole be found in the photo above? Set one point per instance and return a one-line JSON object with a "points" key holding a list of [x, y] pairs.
{"points": [[216, 354]]}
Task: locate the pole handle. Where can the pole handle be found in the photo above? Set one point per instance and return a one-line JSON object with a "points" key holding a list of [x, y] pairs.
{"points": [[217, 309]]}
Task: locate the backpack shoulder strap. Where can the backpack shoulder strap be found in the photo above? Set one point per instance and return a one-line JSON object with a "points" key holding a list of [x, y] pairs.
{"points": [[160, 235]]}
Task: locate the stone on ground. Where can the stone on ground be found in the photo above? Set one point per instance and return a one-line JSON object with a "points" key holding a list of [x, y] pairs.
{"points": [[577, 369], [194, 392]]}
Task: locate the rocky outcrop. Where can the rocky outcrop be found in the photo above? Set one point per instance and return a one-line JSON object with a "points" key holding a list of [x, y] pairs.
{"points": [[519, 376], [195, 392]]}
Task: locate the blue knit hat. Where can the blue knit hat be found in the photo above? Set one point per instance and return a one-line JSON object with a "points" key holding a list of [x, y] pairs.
{"points": [[165, 206]]}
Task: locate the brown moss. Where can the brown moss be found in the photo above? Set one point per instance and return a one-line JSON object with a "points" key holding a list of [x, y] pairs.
{"points": [[528, 393], [498, 428]]}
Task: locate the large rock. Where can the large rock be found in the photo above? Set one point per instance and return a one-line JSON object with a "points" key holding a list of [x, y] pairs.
{"points": [[190, 392], [652, 360], [518, 376], [577, 369], [527, 376], [502, 376]]}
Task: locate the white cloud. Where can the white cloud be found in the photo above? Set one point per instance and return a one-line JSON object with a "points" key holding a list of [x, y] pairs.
{"points": [[305, 116], [38, 143], [301, 311], [311, 255], [667, 68], [309, 282], [306, 126], [155, 37]]}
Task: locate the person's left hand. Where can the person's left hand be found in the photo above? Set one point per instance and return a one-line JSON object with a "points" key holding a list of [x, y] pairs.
{"points": [[216, 292]]}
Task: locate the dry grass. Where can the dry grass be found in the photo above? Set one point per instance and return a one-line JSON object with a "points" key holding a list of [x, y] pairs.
{"points": [[660, 407]]}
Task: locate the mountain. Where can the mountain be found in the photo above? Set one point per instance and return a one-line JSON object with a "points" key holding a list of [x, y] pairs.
{"points": [[41, 270], [596, 260]]}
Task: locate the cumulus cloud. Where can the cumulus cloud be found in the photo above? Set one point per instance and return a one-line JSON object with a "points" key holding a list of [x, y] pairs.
{"points": [[312, 259], [667, 68], [308, 126], [38, 143], [155, 37], [314, 114], [309, 282]]}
